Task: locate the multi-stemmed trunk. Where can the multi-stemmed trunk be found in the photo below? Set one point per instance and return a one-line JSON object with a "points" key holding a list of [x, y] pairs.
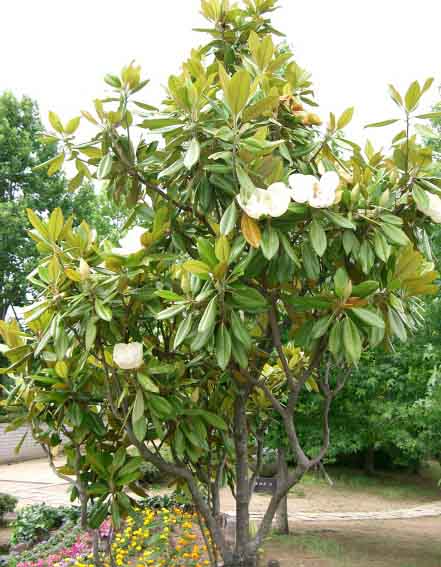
{"points": [[244, 551]]}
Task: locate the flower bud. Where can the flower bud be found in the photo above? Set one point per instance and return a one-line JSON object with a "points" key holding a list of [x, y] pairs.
{"points": [[84, 269]]}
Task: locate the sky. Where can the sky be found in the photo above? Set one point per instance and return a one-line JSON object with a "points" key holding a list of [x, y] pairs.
{"points": [[58, 52]]}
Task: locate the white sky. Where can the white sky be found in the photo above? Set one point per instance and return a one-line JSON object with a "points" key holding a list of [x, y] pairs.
{"points": [[58, 51]]}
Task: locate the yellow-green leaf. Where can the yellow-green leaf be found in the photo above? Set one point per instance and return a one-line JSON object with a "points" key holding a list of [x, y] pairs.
{"points": [[345, 118], [222, 249], [412, 96], [72, 274], [56, 165], [72, 125], [196, 267], [238, 91], [38, 224], [55, 122], [89, 117], [56, 222]]}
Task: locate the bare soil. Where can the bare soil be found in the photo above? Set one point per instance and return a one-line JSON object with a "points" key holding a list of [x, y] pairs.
{"points": [[353, 493], [391, 543]]}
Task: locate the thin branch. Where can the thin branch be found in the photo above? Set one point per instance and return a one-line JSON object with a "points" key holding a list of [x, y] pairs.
{"points": [[50, 457], [131, 169]]}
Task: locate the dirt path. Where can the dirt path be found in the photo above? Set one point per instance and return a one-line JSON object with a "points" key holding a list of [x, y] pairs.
{"points": [[34, 482]]}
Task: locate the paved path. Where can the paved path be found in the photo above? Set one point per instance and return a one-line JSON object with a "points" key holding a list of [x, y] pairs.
{"points": [[34, 482], [424, 511]]}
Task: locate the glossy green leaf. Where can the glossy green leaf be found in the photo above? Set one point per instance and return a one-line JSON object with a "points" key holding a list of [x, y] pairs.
{"points": [[103, 311], [208, 318], [395, 234], [192, 154], [420, 197], [270, 242], [320, 327], [365, 289], [239, 330], [318, 237], [105, 167], [342, 283], [223, 346], [229, 218], [351, 341], [147, 383], [55, 122], [170, 312], [182, 331], [369, 317]]}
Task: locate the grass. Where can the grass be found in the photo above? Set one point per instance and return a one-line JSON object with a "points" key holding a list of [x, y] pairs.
{"points": [[390, 485], [311, 544], [318, 545]]}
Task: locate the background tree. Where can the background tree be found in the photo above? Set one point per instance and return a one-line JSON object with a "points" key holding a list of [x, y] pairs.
{"points": [[21, 186]]}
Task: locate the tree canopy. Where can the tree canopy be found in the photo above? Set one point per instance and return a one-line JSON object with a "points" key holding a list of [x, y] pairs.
{"points": [[263, 256]]}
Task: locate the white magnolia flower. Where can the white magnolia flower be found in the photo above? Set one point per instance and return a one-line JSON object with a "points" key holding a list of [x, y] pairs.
{"points": [[273, 202], [128, 356], [434, 209], [318, 193], [131, 243]]}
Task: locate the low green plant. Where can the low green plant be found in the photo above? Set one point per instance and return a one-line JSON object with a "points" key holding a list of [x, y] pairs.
{"points": [[35, 522], [176, 499], [7, 504], [62, 538]]}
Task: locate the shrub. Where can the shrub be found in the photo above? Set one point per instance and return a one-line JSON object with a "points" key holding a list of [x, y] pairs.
{"points": [[169, 501], [34, 522], [7, 504]]}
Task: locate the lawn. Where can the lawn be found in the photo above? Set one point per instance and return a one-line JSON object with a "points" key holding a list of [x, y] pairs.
{"points": [[388, 485]]}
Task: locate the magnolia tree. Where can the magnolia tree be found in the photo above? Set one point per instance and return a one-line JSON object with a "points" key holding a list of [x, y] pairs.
{"points": [[262, 255]]}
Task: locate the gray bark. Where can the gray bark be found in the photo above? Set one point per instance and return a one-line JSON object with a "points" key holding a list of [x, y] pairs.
{"points": [[242, 482], [282, 526]]}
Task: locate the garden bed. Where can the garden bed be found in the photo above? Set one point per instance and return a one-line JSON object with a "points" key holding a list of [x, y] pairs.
{"points": [[161, 537]]}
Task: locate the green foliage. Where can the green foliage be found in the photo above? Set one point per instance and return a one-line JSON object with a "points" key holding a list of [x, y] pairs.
{"points": [[33, 523], [169, 501], [7, 504], [389, 405], [63, 538]]}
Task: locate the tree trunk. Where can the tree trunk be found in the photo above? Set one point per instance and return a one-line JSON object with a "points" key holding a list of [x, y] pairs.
{"points": [[242, 482], [369, 460], [248, 560], [96, 548], [83, 513], [282, 526], [3, 310]]}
